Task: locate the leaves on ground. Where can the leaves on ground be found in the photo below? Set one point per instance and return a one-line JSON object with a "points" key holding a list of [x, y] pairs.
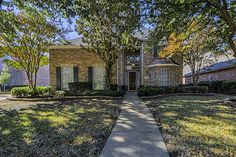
{"points": [[65, 129], [196, 126]]}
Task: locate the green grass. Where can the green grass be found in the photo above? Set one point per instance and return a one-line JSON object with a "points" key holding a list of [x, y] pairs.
{"points": [[71, 128], [196, 125]]}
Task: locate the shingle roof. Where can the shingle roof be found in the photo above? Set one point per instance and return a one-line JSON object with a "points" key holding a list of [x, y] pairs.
{"points": [[141, 35], [162, 62], [77, 41], [215, 67]]}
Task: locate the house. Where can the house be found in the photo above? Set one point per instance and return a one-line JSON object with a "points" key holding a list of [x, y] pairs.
{"points": [[221, 71], [18, 77], [73, 63]]}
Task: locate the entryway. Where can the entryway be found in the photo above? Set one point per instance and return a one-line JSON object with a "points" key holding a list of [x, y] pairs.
{"points": [[132, 80]]}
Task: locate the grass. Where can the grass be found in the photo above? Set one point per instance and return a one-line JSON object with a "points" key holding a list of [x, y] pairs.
{"points": [[196, 125], [70, 128]]}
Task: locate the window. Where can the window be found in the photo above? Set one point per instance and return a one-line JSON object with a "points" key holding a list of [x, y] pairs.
{"points": [[164, 77], [132, 62], [66, 77], [98, 78]]}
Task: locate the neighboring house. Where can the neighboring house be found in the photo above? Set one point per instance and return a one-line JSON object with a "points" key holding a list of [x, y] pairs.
{"points": [[73, 63], [18, 77], [224, 71]]}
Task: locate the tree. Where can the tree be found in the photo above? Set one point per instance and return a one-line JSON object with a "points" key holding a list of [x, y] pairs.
{"points": [[107, 28], [24, 38], [175, 15], [5, 75], [198, 46]]}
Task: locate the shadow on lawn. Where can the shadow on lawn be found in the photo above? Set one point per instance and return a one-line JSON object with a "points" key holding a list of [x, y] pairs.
{"points": [[196, 126], [60, 129]]}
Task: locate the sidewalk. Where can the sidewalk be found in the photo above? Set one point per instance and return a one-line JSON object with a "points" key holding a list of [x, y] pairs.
{"points": [[135, 133]]}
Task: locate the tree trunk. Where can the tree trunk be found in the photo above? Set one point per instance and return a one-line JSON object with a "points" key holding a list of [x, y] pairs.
{"points": [[35, 78], [108, 76], [232, 46], [31, 83], [194, 77], [195, 81]]}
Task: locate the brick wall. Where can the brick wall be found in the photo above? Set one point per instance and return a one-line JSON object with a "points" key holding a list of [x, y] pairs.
{"points": [[227, 75], [69, 57], [151, 75]]}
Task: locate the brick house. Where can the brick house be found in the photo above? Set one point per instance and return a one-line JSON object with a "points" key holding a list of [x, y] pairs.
{"points": [[222, 71], [18, 77], [73, 63]]}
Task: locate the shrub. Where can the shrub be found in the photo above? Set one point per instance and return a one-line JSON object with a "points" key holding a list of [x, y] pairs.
{"points": [[197, 89], [20, 92], [40, 91], [103, 93], [124, 88], [150, 91], [228, 87], [114, 87], [10, 87], [60, 94], [79, 86]]}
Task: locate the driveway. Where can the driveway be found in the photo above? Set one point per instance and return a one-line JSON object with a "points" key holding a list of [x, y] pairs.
{"points": [[4, 96]]}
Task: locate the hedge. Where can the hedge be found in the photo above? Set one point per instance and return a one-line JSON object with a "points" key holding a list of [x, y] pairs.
{"points": [[150, 91], [225, 87], [79, 86], [22, 92], [104, 93]]}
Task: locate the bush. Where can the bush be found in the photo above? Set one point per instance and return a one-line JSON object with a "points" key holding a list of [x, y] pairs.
{"points": [[79, 86], [197, 89], [124, 88], [227, 87], [114, 87], [103, 93], [40, 91], [20, 92], [60, 94], [150, 91], [9, 88]]}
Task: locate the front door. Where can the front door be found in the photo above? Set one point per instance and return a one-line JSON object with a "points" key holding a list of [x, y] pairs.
{"points": [[132, 80]]}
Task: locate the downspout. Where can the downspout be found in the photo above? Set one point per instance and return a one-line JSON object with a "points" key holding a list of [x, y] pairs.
{"points": [[141, 49], [117, 72]]}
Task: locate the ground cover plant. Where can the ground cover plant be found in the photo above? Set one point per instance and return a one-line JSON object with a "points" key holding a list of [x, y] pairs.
{"points": [[68, 128], [196, 125]]}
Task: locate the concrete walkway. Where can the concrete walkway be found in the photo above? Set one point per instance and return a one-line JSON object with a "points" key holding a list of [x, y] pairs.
{"points": [[135, 133]]}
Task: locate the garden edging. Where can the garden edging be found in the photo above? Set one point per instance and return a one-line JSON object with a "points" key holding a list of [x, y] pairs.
{"points": [[65, 98]]}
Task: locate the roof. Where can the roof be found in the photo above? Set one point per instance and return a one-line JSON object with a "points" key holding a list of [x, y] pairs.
{"points": [[162, 62], [216, 67], [78, 42], [142, 34]]}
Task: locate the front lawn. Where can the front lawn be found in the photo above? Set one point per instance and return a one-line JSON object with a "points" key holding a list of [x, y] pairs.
{"points": [[62, 129], [196, 125]]}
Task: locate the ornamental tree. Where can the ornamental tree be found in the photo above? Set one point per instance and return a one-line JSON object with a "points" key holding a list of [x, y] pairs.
{"points": [[24, 39], [107, 28], [198, 46], [5, 75], [175, 15]]}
